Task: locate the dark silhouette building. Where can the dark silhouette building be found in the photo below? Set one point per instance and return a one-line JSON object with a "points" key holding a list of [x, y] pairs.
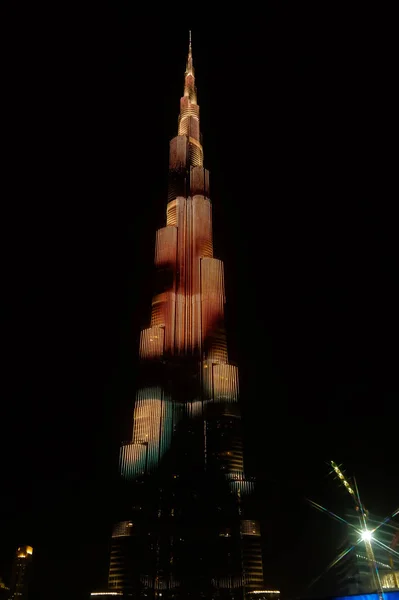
{"points": [[187, 526], [21, 573]]}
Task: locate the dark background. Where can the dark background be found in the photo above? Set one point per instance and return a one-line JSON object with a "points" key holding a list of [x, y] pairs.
{"points": [[300, 135]]}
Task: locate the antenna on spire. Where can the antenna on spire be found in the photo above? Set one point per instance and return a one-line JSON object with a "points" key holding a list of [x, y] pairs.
{"points": [[189, 65]]}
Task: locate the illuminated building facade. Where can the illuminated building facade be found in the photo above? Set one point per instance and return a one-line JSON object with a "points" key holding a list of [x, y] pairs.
{"points": [[187, 527], [21, 573]]}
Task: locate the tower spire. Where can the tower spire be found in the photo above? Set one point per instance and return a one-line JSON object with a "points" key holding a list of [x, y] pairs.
{"points": [[189, 109], [189, 67], [189, 85]]}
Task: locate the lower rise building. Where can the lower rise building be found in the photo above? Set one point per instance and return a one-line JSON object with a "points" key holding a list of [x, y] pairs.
{"points": [[21, 573]]}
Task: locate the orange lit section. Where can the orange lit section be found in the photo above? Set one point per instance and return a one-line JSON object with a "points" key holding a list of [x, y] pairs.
{"points": [[189, 274], [189, 119], [165, 247], [159, 312], [188, 109], [202, 227], [213, 282], [225, 383], [152, 343], [199, 182], [194, 131], [171, 214], [201, 248], [178, 153], [180, 333], [163, 305], [147, 416], [189, 87], [195, 153], [213, 299]]}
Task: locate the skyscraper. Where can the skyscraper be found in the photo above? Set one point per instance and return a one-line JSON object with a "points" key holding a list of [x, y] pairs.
{"points": [[21, 573], [187, 526]]}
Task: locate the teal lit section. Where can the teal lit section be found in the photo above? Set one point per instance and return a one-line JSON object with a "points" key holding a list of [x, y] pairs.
{"points": [[152, 433]]}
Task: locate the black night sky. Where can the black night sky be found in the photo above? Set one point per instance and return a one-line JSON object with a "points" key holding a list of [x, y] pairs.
{"points": [[299, 129]]}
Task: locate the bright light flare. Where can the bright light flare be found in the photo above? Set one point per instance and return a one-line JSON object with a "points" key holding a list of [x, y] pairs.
{"points": [[366, 535]]}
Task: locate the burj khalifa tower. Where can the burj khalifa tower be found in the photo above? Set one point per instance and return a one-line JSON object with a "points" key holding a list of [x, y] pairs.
{"points": [[186, 526]]}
